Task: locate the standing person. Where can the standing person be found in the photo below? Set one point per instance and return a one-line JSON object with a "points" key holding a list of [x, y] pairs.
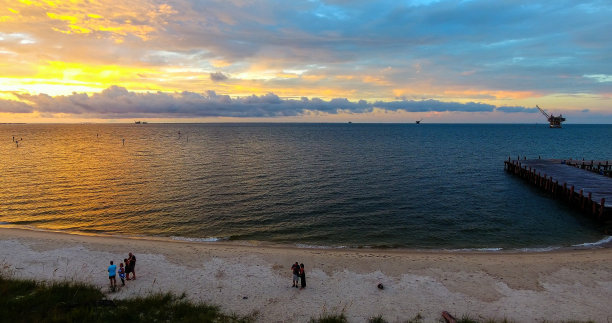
{"points": [[132, 260], [128, 268], [302, 276], [112, 271], [296, 274], [122, 274]]}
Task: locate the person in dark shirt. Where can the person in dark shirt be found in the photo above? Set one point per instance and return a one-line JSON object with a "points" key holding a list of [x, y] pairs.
{"points": [[132, 264], [295, 268], [302, 276]]}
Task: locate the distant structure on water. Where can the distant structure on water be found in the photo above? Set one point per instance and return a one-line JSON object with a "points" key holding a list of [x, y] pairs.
{"points": [[555, 122], [140, 122], [419, 121]]}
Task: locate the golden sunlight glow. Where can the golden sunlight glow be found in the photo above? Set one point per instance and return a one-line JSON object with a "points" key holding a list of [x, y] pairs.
{"points": [[114, 19], [71, 19], [494, 94], [220, 63]]}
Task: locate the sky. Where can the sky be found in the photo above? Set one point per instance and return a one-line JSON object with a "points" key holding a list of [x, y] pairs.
{"points": [[442, 61]]}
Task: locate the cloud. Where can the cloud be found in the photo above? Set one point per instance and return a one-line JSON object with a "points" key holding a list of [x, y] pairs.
{"points": [[435, 105], [507, 109], [12, 106], [118, 102], [218, 76], [427, 45]]}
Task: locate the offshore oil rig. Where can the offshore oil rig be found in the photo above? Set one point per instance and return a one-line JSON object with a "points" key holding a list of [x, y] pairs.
{"points": [[555, 122]]}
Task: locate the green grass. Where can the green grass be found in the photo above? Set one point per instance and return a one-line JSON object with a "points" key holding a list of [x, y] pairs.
{"points": [[31, 301]]}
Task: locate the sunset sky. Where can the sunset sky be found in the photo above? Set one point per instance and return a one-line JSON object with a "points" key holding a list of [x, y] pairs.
{"points": [[305, 61]]}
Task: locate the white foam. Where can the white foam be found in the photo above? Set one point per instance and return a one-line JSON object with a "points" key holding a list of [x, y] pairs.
{"points": [[541, 249], [599, 243], [210, 239], [307, 246], [478, 249]]}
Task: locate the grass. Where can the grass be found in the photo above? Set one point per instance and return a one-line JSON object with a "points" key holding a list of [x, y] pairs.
{"points": [[330, 318], [31, 301]]}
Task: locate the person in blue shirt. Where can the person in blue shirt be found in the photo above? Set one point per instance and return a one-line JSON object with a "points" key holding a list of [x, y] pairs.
{"points": [[112, 272]]}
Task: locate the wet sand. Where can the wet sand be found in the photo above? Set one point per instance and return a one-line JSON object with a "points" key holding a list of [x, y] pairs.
{"points": [[246, 278]]}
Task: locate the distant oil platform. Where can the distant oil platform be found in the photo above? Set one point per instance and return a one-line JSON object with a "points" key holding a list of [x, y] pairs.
{"points": [[555, 122]]}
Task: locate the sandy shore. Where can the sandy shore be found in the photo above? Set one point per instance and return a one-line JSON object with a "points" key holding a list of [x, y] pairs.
{"points": [[523, 287]]}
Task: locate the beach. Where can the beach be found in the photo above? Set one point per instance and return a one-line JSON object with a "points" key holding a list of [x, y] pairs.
{"points": [[253, 277]]}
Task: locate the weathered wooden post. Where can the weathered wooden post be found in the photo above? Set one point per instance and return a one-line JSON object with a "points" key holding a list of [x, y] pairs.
{"points": [[602, 207], [529, 175], [540, 180], [582, 199], [571, 194], [550, 186]]}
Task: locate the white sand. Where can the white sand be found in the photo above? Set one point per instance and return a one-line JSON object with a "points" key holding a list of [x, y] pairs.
{"points": [[242, 279]]}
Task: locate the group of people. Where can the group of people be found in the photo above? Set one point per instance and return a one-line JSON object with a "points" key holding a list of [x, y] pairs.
{"points": [[299, 275], [127, 267]]}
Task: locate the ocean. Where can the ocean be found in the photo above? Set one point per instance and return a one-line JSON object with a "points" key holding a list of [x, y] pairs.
{"points": [[426, 186]]}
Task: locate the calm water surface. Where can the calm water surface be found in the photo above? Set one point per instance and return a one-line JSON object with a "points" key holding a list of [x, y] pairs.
{"points": [[380, 185]]}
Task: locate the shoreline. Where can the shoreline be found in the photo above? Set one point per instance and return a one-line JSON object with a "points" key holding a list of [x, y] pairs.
{"points": [[604, 242], [558, 285]]}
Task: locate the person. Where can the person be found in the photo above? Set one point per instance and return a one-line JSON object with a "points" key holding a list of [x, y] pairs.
{"points": [[122, 274], [296, 274], [302, 276], [132, 260], [112, 271], [128, 268]]}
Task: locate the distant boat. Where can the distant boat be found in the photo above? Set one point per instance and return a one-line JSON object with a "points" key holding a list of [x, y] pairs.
{"points": [[140, 122], [419, 121], [137, 122]]}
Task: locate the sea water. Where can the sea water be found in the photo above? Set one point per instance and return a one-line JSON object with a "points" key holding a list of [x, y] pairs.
{"points": [[426, 186]]}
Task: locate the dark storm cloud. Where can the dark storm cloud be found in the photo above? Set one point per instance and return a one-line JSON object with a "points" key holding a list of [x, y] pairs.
{"points": [[218, 76]]}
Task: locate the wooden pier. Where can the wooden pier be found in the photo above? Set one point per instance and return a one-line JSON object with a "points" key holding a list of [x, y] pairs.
{"points": [[586, 185]]}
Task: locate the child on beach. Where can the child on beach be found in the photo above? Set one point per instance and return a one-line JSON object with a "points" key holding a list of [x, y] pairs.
{"points": [[112, 271], [122, 274]]}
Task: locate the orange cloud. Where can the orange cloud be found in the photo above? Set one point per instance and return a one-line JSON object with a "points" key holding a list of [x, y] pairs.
{"points": [[313, 77], [113, 19], [492, 94], [375, 80]]}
